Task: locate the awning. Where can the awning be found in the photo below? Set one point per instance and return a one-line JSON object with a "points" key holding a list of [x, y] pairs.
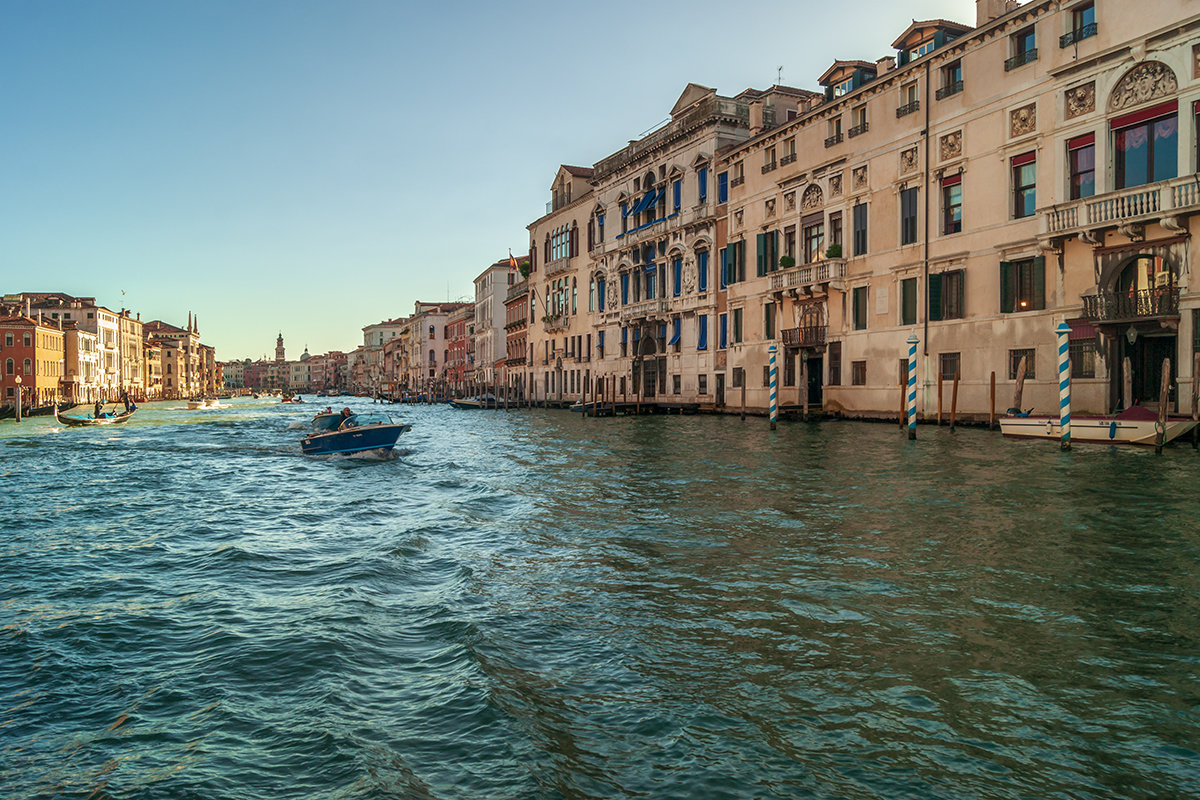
{"points": [[1080, 329], [600, 339], [678, 329], [645, 202]]}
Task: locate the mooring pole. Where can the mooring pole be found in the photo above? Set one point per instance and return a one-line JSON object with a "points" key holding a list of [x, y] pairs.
{"points": [[912, 386], [954, 401], [1064, 384], [1160, 429], [939, 422], [774, 403], [1196, 400], [992, 413]]}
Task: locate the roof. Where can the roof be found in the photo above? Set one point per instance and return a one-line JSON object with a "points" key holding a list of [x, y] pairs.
{"points": [[841, 65], [579, 172], [956, 28]]}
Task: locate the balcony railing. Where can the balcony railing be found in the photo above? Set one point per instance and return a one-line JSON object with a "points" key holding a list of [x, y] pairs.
{"points": [[808, 336], [788, 159], [949, 90], [808, 276], [1021, 59], [832, 140], [558, 266], [1121, 306], [769, 166], [858, 130], [517, 289], [557, 322], [1077, 35], [643, 309], [908, 108], [1124, 206], [738, 181]]}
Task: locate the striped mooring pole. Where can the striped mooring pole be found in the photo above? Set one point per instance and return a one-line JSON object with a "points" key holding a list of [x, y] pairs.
{"points": [[1064, 383], [912, 386], [774, 388]]}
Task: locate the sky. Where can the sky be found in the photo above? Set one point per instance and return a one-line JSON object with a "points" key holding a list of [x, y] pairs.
{"points": [[308, 168]]}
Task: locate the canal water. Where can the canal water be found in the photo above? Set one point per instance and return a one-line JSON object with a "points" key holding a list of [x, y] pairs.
{"points": [[534, 605]]}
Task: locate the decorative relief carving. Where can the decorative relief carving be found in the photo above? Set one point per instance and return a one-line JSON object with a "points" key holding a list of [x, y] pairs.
{"points": [[1196, 61], [835, 185], [769, 207], [613, 297], [737, 218], [950, 145], [789, 201], [689, 275], [908, 160], [1145, 82], [811, 198], [1080, 100], [860, 177], [1022, 120]]}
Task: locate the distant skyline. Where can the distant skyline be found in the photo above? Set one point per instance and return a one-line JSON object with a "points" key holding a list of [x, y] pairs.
{"points": [[313, 167]]}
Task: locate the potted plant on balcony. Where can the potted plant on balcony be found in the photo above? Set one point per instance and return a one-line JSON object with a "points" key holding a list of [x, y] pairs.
{"points": [[786, 262], [523, 268], [833, 251]]}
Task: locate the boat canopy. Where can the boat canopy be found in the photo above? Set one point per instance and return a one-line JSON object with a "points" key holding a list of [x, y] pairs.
{"points": [[358, 420]]}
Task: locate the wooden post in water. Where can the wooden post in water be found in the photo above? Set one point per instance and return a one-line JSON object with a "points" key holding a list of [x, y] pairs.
{"points": [[992, 413], [743, 394], [939, 422], [803, 385], [583, 411], [903, 412], [954, 401], [1163, 401], [1127, 366], [1196, 400], [1016, 404]]}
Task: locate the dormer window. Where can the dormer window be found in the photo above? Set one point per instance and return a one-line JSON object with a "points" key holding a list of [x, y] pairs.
{"points": [[921, 49], [843, 88]]}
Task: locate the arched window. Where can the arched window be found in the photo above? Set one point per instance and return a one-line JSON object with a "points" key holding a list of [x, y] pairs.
{"points": [[28, 367], [9, 367], [28, 340], [432, 357]]}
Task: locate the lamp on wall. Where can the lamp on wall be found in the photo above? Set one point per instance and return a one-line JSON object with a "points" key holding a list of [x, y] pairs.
{"points": [[1131, 334]]}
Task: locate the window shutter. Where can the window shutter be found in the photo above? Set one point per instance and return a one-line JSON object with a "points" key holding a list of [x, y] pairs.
{"points": [[774, 265], [939, 39], [591, 233], [702, 335], [573, 242], [1008, 288], [934, 310], [760, 244], [546, 253], [1039, 282], [903, 59], [739, 260]]}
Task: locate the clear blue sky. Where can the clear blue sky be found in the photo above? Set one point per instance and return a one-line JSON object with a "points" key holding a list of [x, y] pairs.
{"points": [[312, 167]]}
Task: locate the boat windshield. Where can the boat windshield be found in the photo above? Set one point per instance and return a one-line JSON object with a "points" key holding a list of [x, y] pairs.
{"points": [[326, 422], [359, 420]]}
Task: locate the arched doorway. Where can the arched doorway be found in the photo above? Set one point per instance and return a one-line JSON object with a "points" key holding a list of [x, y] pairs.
{"points": [[1143, 321]]}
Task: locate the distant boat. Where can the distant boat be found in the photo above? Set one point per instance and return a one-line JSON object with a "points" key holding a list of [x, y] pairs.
{"points": [[356, 434], [10, 412], [1134, 425], [103, 419], [479, 401]]}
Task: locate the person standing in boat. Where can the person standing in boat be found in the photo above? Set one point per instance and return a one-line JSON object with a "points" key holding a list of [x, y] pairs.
{"points": [[98, 408], [125, 400]]}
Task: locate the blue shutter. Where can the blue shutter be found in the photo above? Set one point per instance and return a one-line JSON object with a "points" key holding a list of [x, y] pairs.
{"points": [[723, 325], [677, 190], [677, 329], [723, 266], [677, 268], [702, 271], [702, 335], [600, 340], [625, 289], [702, 181], [624, 335], [723, 187], [600, 286]]}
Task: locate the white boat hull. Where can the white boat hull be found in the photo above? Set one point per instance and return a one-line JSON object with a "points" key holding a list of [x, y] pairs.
{"points": [[1100, 430]]}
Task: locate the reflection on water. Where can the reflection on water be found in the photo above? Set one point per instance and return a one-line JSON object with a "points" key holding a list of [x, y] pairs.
{"points": [[531, 604]]}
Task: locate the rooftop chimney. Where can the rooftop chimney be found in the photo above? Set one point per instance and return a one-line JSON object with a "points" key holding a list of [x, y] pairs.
{"points": [[988, 10], [885, 64], [756, 118]]}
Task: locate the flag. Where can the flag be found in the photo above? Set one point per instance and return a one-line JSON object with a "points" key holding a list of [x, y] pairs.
{"points": [[512, 262]]}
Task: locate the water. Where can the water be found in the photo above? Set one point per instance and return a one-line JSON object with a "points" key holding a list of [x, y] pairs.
{"points": [[534, 605]]}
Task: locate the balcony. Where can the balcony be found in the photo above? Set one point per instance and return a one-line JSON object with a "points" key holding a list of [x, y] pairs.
{"points": [[1153, 202], [808, 337], [809, 277], [517, 289], [949, 90], [645, 309], [1021, 59], [858, 130], [832, 140], [555, 322], [1077, 35], [769, 167], [1162, 301], [738, 181], [908, 108], [788, 159], [557, 267]]}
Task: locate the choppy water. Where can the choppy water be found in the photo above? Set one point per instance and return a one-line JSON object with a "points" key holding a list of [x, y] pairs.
{"points": [[534, 605]]}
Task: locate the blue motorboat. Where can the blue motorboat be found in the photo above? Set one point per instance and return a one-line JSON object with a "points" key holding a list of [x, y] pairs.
{"points": [[358, 433]]}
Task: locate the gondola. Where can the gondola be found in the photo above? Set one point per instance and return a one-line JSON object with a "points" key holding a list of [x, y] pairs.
{"points": [[80, 422]]}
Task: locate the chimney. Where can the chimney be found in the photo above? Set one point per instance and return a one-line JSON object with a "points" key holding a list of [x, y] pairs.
{"points": [[27, 312], [988, 10], [756, 118], [885, 64]]}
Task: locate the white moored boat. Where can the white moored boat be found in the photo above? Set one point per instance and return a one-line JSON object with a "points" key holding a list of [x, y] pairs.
{"points": [[1136, 425]]}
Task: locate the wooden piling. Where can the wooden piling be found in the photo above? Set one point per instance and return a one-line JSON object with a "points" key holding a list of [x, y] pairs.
{"points": [[583, 411], [1163, 401], [1196, 400], [939, 417], [992, 413], [954, 401], [743, 395], [1020, 389], [903, 410], [803, 398], [1127, 366]]}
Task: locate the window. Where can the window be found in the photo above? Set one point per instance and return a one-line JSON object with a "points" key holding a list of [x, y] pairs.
{"points": [[737, 325], [1024, 49], [1024, 180], [676, 343], [723, 187], [676, 276], [1083, 358], [676, 384], [1145, 146], [1014, 364], [860, 229], [948, 366], [766, 375], [769, 320], [28, 366], [835, 231], [921, 49], [858, 373], [789, 241], [834, 129], [1022, 285], [814, 237], [952, 204], [769, 160], [702, 384], [624, 288], [702, 331], [767, 250], [702, 271], [908, 100], [702, 184], [1083, 25], [835, 363], [28, 339], [789, 151], [908, 301], [1081, 158], [860, 308], [8, 340], [952, 82], [9, 367], [858, 122], [723, 331], [908, 215], [946, 295], [739, 377], [735, 262]]}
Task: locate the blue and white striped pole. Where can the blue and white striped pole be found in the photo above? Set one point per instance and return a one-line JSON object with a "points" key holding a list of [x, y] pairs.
{"points": [[1064, 383], [774, 388], [912, 386]]}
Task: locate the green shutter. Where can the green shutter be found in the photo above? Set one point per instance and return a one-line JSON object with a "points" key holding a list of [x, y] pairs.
{"points": [[739, 258], [934, 309], [1008, 289], [774, 265], [760, 243], [727, 267], [1039, 282]]}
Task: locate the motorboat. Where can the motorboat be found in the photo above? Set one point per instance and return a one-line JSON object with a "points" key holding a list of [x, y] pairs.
{"points": [[356, 434], [479, 401], [1134, 425], [103, 419]]}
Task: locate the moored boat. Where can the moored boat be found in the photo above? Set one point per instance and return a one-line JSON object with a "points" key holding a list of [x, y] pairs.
{"points": [[103, 419], [1135, 425], [479, 401], [356, 434]]}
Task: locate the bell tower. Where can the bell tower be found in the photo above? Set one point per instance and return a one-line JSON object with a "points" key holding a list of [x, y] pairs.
{"points": [[279, 358]]}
